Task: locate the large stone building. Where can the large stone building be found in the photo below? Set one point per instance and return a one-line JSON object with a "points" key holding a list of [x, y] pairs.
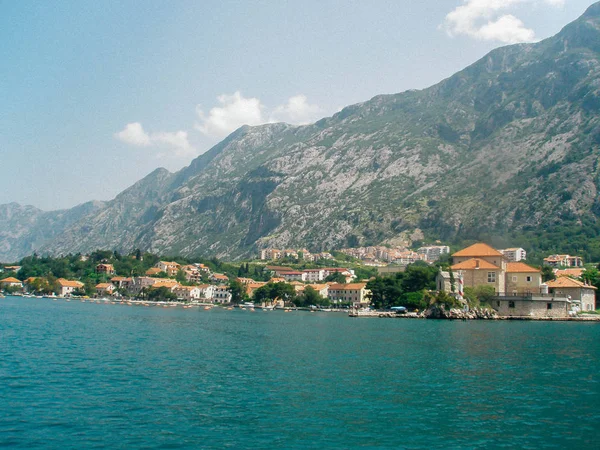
{"points": [[481, 265], [518, 287]]}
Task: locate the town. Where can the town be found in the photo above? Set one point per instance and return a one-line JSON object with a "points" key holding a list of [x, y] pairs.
{"points": [[477, 276]]}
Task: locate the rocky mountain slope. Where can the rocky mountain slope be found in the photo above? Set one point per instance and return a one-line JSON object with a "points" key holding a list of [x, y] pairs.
{"points": [[510, 143]]}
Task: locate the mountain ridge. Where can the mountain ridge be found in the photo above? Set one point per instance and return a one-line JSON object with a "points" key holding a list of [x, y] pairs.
{"points": [[495, 147]]}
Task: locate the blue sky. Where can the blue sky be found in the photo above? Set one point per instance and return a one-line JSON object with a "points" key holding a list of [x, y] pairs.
{"points": [[95, 95]]}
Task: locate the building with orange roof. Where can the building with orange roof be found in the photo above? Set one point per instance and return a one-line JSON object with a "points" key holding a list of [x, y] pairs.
{"points": [[169, 267], [108, 269], [153, 271], [564, 261], [105, 289], [573, 273], [251, 287], [354, 293], [580, 293], [522, 279], [481, 265], [165, 282], [188, 293], [219, 278], [66, 287], [11, 282]]}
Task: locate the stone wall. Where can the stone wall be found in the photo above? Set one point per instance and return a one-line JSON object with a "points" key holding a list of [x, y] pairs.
{"points": [[530, 308]]}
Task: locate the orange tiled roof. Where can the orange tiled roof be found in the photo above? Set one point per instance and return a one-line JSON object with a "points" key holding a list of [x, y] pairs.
{"points": [[220, 276], [103, 286], [69, 283], [519, 267], [576, 273], [566, 282], [479, 249], [10, 280], [153, 271], [347, 287], [473, 264]]}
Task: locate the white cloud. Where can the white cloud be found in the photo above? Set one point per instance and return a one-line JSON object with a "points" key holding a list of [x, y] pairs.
{"points": [[297, 111], [487, 20], [134, 134], [177, 142], [236, 110]]}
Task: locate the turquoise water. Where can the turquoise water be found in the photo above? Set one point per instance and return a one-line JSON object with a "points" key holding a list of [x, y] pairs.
{"points": [[81, 375]]}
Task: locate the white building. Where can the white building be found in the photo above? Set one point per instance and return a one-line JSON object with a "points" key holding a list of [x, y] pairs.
{"points": [[313, 275], [433, 252], [221, 294], [514, 254]]}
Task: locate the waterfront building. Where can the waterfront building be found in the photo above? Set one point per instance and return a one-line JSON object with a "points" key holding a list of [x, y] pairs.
{"points": [[354, 293], [481, 265], [582, 295], [523, 279], [11, 282], [105, 289], [66, 287], [187, 293], [221, 294], [518, 286]]}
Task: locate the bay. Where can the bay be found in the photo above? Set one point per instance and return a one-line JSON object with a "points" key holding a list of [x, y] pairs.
{"points": [[84, 375]]}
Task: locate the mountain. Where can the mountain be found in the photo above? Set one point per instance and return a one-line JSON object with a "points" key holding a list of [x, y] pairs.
{"points": [[507, 148]]}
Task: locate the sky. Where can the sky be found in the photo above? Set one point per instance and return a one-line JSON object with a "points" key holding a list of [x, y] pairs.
{"points": [[94, 95]]}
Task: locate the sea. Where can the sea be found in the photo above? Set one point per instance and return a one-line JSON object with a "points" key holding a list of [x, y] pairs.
{"points": [[79, 375]]}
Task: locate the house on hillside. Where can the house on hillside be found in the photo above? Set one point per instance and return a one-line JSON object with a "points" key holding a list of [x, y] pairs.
{"points": [[219, 278], [564, 261], [291, 275], [169, 267], [514, 254], [104, 268]]}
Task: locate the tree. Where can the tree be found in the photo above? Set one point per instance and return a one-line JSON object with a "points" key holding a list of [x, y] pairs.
{"points": [[310, 297], [180, 276], [335, 277], [238, 292], [161, 293], [548, 274]]}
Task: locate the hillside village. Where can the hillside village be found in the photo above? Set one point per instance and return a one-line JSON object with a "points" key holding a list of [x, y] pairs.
{"points": [[518, 288]]}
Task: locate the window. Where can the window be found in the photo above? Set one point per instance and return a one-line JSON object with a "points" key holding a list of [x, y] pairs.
{"points": [[528, 279], [491, 277], [511, 304], [514, 278], [548, 305], [498, 303]]}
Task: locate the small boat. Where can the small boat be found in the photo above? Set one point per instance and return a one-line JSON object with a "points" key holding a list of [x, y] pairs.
{"points": [[247, 305]]}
